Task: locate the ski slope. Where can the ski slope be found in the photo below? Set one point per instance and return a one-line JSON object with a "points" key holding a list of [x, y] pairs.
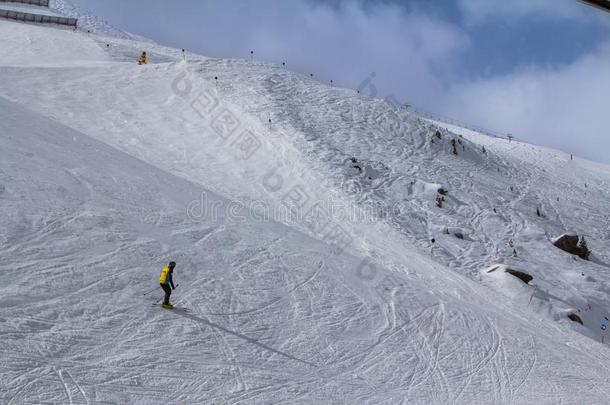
{"points": [[109, 169]]}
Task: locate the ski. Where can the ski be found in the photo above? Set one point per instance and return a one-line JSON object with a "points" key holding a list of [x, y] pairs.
{"points": [[155, 304]]}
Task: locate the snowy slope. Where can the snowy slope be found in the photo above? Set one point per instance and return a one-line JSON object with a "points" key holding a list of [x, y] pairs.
{"points": [[276, 313]]}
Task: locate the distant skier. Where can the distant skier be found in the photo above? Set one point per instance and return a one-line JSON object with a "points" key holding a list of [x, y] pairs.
{"points": [[167, 283]]}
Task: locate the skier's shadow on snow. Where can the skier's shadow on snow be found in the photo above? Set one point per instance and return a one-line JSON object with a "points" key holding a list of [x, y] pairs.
{"points": [[239, 335]]}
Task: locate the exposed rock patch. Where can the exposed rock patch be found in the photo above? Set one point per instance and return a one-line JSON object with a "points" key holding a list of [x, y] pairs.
{"points": [[575, 318], [572, 244], [526, 278]]}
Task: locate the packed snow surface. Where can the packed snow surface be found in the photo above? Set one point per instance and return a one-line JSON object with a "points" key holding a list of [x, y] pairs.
{"points": [[307, 277]]}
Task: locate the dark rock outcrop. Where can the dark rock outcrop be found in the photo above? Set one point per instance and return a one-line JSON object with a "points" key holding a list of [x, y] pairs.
{"points": [[575, 318], [572, 244], [526, 278], [567, 243]]}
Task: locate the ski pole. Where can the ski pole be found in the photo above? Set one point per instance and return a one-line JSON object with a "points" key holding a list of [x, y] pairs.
{"points": [[154, 289]]}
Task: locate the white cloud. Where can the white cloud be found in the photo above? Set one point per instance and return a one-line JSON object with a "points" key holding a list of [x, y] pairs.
{"points": [[476, 11], [565, 108], [349, 41]]}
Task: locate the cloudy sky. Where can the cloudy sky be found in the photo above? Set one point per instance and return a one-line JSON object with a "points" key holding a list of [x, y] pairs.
{"points": [[539, 69]]}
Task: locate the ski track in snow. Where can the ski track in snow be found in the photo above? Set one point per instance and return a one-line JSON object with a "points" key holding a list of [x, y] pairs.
{"points": [[101, 162]]}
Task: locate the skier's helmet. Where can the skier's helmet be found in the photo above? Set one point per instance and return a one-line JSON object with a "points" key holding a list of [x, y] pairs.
{"points": [[172, 265]]}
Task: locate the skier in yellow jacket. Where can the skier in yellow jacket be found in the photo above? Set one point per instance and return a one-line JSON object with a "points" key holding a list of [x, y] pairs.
{"points": [[167, 280], [143, 58]]}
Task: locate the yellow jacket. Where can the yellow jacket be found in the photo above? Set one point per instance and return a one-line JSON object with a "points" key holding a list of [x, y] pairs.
{"points": [[166, 276]]}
